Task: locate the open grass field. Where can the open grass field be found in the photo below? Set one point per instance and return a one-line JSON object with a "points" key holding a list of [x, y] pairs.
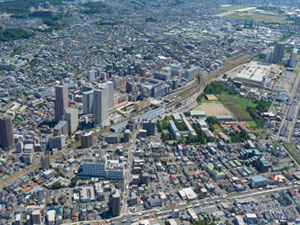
{"points": [[236, 105], [213, 109], [293, 150], [234, 7], [258, 17]]}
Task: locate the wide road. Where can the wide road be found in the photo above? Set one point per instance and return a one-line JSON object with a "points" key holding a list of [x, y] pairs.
{"points": [[292, 94]]}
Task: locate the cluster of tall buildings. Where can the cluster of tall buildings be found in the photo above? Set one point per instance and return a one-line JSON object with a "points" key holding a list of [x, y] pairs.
{"points": [[277, 55], [98, 102]]}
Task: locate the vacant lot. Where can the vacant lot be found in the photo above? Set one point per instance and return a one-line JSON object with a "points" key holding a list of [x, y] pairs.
{"points": [[213, 109], [237, 105]]}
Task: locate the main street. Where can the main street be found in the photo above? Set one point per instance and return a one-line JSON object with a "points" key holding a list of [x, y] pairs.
{"points": [[128, 177], [290, 104]]}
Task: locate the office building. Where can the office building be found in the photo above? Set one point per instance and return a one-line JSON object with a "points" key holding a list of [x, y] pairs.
{"points": [[71, 116], [191, 72], [57, 142], [6, 133], [98, 167], [130, 86], [115, 202], [18, 219], [149, 126], [61, 101], [101, 107], [27, 153], [88, 102], [87, 140], [278, 52], [110, 86], [269, 57], [91, 75], [127, 134], [112, 139], [50, 217], [258, 181], [131, 125], [293, 57], [145, 178], [19, 147], [117, 82], [61, 128], [160, 90], [45, 161], [36, 217], [162, 76]]}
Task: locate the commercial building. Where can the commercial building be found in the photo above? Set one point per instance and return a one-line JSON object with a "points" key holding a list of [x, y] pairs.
{"points": [[28, 153], [258, 181], [256, 73], [127, 134], [110, 86], [45, 161], [149, 126], [48, 174], [112, 139], [57, 142], [148, 115], [101, 168], [191, 72], [114, 202], [160, 90], [61, 101], [87, 139], [88, 102], [101, 107], [6, 133], [87, 194], [162, 76], [36, 217], [187, 193], [278, 52], [293, 57], [51, 217], [61, 128], [71, 116], [91, 75]]}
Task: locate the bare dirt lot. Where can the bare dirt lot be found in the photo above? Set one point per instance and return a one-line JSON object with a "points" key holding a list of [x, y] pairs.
{"points": [[213, 109]]}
